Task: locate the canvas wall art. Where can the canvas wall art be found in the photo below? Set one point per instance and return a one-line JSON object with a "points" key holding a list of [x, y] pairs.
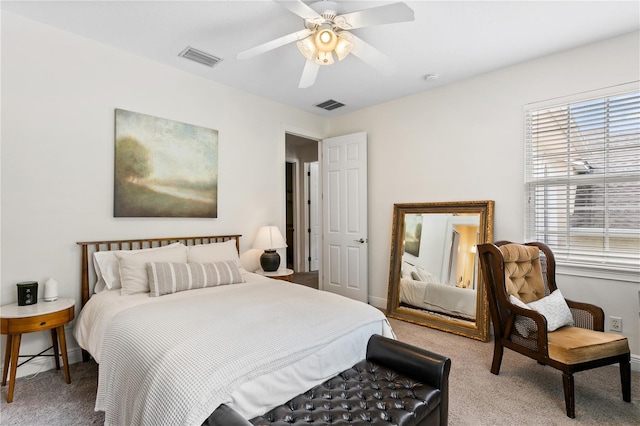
{"points": [[412, 234], [164, 168]]}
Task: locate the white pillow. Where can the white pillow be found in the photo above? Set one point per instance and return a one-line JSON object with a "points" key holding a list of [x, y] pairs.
{"points": [[519, 303], [407, 270], [555, 310], [215, 252], [133, 266], [553, 307], [422, 275], [107, 266], [100, 283]]}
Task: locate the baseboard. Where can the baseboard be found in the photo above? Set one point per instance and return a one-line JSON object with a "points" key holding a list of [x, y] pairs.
{"points": [[378, 302], [635, 362]]}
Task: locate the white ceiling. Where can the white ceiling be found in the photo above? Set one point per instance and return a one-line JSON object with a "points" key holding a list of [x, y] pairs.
{"points": [[453, 39]]}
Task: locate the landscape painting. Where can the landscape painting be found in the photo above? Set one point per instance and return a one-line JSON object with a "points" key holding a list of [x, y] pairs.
{"points": [[164, 168], [412, 234]]}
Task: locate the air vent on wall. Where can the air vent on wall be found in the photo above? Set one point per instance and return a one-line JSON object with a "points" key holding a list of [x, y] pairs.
{"points": [[200, 56], [330, 105]]}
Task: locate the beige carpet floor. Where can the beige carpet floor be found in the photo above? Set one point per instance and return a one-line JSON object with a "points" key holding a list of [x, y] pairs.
{"points": [[524, 393]]}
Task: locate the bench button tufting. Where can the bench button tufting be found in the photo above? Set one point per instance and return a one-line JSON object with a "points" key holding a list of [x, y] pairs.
{"points": [[364, 394]]}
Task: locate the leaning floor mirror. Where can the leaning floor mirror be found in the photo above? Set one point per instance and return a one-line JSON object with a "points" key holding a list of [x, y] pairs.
{"points": [[434, 277]]}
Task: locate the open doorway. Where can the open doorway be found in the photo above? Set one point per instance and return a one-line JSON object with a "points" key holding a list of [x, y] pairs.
{"points": [[302, 204]]}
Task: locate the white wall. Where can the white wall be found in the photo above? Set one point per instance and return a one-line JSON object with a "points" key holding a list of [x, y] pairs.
{"points": [[465, 142], [59, 92]]}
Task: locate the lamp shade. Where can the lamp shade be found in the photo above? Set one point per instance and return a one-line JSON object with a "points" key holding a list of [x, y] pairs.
{"points": [[307, 48], [269, 238], [343, 47]]}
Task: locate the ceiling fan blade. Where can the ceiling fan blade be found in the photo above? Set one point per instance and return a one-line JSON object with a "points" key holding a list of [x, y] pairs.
{"points": [[273, 44], [388, 14], [300, 9], [309, 74], [372, 56]]}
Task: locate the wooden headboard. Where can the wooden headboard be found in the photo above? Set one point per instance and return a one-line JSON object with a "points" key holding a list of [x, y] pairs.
{"points": [[89, 247]]}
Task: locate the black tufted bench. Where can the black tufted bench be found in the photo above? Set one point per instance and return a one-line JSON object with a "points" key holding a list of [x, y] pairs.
{"points": [[397, 384]]}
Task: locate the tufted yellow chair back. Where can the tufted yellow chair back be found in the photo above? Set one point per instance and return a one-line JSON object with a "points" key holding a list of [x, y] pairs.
{"points": [[523, 273]]}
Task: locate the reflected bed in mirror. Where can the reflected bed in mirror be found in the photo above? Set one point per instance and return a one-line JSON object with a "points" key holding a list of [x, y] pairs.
{"points": [[434, 276]]}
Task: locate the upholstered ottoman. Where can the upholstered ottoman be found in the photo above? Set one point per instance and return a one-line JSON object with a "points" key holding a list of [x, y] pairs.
{"points": [[397, 384]]}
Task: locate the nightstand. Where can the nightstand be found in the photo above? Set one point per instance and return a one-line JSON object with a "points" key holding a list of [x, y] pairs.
{"points": [[17, 320], [280, 274]]}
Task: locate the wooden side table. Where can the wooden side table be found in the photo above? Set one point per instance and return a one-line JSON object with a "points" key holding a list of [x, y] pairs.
{"points": [[16, 320], [280, 274]]}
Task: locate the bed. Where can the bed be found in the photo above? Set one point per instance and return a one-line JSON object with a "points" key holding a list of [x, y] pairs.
{"points": [[173, 354], [422, 290]]}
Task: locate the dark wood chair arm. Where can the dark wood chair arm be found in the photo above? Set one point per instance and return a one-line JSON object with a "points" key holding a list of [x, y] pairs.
{"points": [[586, 315]]}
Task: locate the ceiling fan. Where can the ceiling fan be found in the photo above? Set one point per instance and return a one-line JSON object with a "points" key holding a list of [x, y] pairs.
{"points": [[326, 32]]}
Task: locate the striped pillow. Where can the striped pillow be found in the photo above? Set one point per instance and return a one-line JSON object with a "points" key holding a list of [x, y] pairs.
{"points": [[167, 278]]}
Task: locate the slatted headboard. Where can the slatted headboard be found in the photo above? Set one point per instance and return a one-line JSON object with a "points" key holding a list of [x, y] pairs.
{"points": [[89, 247]]}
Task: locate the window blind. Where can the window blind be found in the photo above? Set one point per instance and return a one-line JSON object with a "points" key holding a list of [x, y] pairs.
{"points": [[582, 181]]}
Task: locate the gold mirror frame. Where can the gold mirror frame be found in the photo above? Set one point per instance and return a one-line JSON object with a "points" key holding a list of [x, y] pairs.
{"points": [[478, 329]]}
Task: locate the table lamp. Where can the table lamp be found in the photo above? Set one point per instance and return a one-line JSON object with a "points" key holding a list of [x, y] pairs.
{"points": [[269, 239]]}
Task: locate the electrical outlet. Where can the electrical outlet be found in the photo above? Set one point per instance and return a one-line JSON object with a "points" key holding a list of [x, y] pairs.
{"points": [[615, 324]]}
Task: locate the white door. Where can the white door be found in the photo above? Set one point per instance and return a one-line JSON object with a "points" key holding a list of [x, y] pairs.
{"points": [[314, 216], [344, 216]]}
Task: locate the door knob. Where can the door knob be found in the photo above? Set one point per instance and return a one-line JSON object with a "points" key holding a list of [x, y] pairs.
{"points": [[361, 241]]}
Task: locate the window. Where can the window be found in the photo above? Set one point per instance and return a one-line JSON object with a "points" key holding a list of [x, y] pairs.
{"points": [[582, 178]]}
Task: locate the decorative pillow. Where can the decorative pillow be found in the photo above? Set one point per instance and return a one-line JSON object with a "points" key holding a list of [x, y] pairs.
{"points": [[107, 265], [407, 270], [553, 307], [421, 275], [167, 278], [133, 266], [555, 310], [519, 303], [215, 252]]}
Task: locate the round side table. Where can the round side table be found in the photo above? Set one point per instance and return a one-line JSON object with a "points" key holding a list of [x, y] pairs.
{"points": [[280, 274], [16, 320]]}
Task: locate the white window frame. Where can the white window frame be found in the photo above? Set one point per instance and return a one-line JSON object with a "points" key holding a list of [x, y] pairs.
{"points": [[571, 264]]}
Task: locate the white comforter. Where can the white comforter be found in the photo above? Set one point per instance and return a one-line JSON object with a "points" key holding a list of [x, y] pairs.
{"points": [[174, 359], [440, 298]]}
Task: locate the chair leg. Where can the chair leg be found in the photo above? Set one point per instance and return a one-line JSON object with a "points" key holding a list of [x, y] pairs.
{"points": [[625, 378], [498, 350], [569, 397]]}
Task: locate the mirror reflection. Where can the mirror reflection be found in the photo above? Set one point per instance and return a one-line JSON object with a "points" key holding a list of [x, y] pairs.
{"points": [[439, 271], [434, 276]]}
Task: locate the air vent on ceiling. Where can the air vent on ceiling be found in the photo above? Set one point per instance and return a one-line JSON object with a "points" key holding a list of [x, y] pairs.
{"points": [[200, 56], [330, 105]]}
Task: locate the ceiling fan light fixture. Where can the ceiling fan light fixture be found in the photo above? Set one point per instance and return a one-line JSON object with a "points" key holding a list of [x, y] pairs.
{"points": [[326, 39], [324, 58], [307, 47], [343, 47]]}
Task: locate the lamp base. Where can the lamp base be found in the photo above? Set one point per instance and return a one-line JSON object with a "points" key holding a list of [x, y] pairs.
{"points": [[270, 260]]}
